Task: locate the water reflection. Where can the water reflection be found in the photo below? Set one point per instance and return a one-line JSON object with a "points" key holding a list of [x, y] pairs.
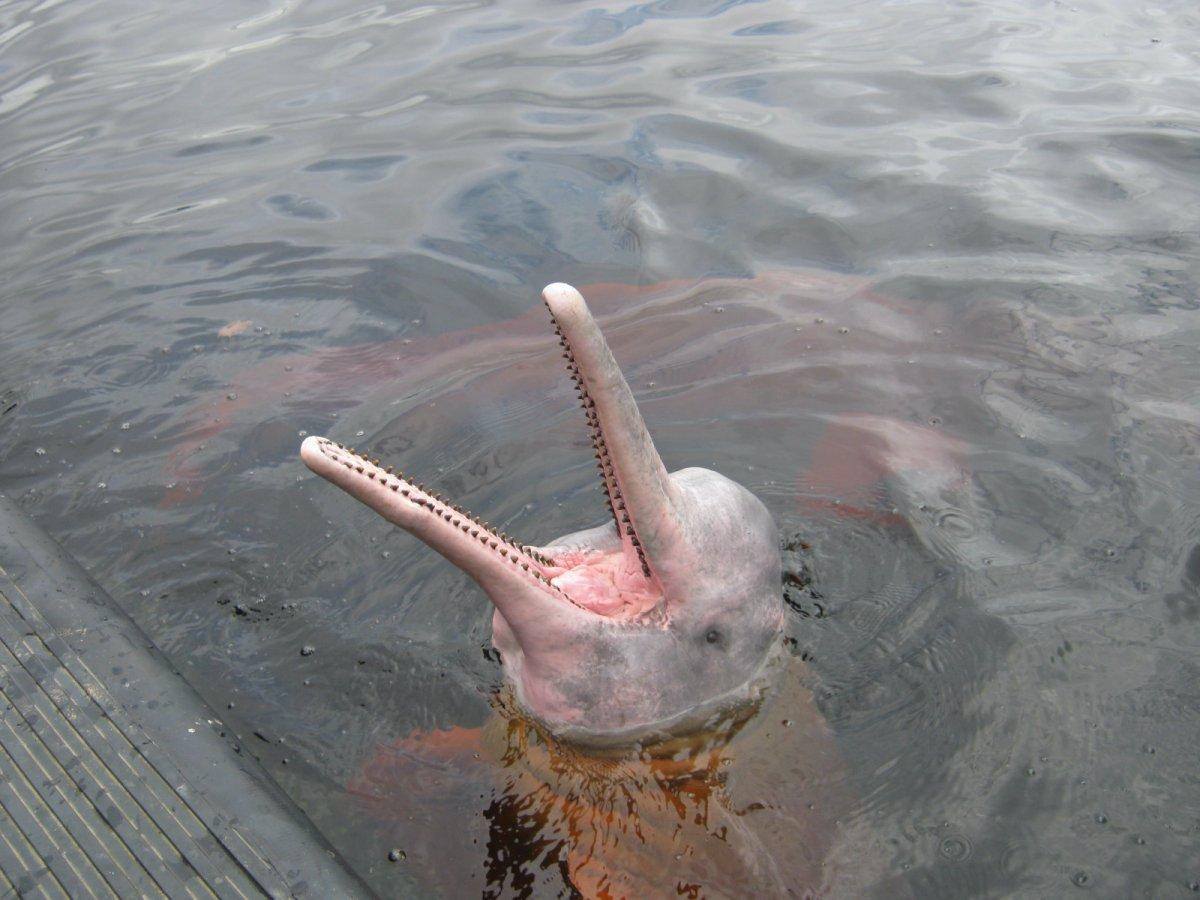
{"points": [[747, 805]]}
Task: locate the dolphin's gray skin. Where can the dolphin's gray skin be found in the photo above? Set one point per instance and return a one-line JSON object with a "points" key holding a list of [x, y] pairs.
{"points": [[648, 624]]}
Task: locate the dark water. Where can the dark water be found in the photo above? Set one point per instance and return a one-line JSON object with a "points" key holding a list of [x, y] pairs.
{"points": [[989, 441]]}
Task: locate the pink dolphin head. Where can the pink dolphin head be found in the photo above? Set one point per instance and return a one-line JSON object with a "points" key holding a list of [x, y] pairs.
{"points": [[651, 623]]}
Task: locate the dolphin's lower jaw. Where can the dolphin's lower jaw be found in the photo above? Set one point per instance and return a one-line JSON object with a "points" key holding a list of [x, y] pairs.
{"points": [[657, 621]]}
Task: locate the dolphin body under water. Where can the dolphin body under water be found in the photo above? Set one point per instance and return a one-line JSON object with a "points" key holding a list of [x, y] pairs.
{"points": [[650, 624]]}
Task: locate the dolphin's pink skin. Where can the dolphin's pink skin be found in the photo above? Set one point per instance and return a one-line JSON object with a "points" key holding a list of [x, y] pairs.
{"points": [[655, 621], [377, 375], [857, 454]]}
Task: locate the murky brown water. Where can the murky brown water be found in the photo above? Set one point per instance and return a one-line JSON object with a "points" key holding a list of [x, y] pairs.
{"points": [[924, 276]]}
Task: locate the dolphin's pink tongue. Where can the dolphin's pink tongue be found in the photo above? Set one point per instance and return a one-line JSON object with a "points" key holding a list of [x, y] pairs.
{"points": [[608, 584]]}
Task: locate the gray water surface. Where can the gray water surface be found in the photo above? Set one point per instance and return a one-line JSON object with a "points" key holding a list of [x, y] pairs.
{"points": [[922, 275]]}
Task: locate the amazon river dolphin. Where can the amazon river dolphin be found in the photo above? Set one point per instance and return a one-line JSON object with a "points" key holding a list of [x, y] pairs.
{"points": [[663, 618]]}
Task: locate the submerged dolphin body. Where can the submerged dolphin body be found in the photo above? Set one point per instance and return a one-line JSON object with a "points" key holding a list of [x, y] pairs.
{"points": [[658, 620]]}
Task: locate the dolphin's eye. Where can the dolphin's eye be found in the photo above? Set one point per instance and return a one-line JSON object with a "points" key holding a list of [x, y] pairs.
{"points": [[713, 636]]}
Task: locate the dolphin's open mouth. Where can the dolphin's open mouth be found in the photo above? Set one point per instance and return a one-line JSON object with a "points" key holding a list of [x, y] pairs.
{"points": [[613, 582]]}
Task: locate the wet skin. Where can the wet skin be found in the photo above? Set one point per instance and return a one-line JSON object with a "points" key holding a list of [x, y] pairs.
{"points": [[648, 625]]}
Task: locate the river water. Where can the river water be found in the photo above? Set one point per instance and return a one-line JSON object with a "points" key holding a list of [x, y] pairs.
{"points": [[922, 275]]}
